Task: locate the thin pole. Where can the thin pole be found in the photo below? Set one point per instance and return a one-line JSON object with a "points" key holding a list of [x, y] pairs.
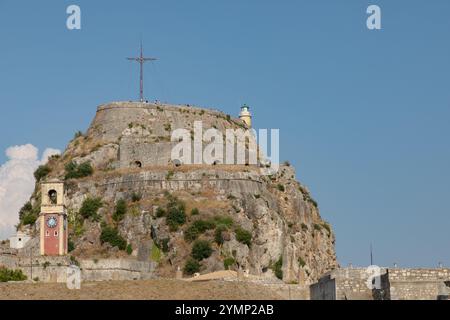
{"points": [[141, 62], [141, 59], [371, 255], [31, 263]]}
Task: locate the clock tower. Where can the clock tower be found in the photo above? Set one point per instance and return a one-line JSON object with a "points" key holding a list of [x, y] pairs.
{"points": [[53, 219]]}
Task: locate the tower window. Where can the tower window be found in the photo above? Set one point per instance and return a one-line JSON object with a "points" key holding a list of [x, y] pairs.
{"points": [[56, 233], [47, 233], [53, 196]]}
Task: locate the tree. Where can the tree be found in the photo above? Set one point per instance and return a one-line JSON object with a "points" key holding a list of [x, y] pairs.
{"points": [[201, 250], [192, 266], [90, 207]]}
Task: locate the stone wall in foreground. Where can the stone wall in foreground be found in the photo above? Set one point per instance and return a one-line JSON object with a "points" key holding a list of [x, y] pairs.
{"points": [[54, 269]]}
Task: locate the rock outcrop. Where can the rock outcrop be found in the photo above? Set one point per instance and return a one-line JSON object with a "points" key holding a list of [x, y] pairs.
{"points": [[129, 144]]}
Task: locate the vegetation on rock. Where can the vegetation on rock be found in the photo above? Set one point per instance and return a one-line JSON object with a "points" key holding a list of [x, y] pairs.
{"points": [[75, 171], [120, 210], [176, 215], [243, 236], [41, 172], [192, 266], [201, 250], [277, 268], [111, 235], [90, 207], [228, 262], [11, 275]]}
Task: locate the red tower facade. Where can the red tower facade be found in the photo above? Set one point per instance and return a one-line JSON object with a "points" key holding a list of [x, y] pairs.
{"points": [[53, 219]]}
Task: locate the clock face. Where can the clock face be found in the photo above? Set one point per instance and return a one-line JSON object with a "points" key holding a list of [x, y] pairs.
{"points": [[52, 222]]}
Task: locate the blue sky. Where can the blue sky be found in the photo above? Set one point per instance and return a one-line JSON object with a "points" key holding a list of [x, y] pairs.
{"points": [[363, 115]]}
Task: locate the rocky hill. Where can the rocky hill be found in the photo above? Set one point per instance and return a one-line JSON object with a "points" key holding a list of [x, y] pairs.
{"points": [[126, 198]]}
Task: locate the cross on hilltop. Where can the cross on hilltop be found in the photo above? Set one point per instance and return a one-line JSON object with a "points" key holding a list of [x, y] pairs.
{"points": [[141, 59]]}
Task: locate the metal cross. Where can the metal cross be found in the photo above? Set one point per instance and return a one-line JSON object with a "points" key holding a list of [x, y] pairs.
{"points": [[141, 59]]}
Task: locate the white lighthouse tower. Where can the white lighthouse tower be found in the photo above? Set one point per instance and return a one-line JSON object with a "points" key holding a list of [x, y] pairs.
{"points": [[245, 115]]}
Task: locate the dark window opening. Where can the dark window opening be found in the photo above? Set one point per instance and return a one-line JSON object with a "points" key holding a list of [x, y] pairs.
{"points": [[138, 164], [53, 196]]}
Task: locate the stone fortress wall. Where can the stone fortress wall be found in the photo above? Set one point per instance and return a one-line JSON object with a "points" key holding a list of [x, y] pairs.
{"points": [[54, 269], [140, 133], [395, 284]]}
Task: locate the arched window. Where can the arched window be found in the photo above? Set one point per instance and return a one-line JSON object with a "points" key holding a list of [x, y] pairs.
{"points": [[53, 196]]}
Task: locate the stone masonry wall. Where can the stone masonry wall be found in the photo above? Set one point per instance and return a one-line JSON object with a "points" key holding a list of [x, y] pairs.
{"points": [[54, 269], [396, 284], [418, 284]]}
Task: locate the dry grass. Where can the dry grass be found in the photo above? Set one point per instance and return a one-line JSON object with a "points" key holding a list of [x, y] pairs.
{"points": [[158, 289]]}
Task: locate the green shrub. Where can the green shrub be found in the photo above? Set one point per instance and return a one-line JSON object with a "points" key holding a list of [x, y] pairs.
{"points": [[26, 209], [41, 172], [90, 207], [218, 234], [120, 211], [243, 236], [304, 227], [135, 197], [11, 275], [169, 174], [129, 249], [192, 266], [195, 212], [29, 219], [155, 253], [111, 235], [301, 262], [75, 171], [280, 187], [317, 227], [222, 220], [175, 217], [196, 228], [85, 169], [277, 268], [228, 262], [201, 250], [165, 245], [74, 261], [70, 245], [160, 212], [191, 233]]}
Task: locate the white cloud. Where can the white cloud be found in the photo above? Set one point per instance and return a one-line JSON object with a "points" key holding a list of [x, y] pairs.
{"points": [[17, 182]]}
